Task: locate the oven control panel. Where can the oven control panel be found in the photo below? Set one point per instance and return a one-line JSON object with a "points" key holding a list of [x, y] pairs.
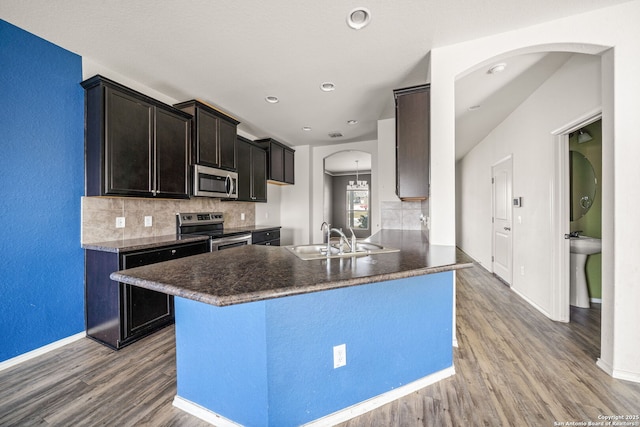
{"points": [[200, 218]]}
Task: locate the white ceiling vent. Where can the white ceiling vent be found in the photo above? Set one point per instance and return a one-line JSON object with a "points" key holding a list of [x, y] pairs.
{"points": [[335, 135]]}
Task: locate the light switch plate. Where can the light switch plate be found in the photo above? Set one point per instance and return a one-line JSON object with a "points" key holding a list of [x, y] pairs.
{"points": [[148, 221]]}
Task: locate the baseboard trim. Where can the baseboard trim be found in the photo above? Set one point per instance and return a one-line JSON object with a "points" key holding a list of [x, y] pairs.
{"points": [[626, 375], [532, 304], [380, 400], [618, 373], [40, 351], [203, 413], [604, 366], [331, 419]]}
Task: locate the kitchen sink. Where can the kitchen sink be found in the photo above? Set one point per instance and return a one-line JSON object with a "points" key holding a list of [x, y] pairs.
{"points": [[319, 250]]}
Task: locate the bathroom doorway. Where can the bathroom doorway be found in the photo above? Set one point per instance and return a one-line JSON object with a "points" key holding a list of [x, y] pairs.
{"points": [[579, 177], [585, 215]]}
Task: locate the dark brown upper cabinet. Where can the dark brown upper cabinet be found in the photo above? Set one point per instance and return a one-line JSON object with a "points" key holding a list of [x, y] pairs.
{"points": [[134, 144], [252, 171], [214, 135], [412, 142], [280, 161]]}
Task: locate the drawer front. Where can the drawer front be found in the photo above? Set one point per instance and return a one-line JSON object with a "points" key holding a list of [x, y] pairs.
{"points": [[259, 237], [153, 256], [275, 242]]}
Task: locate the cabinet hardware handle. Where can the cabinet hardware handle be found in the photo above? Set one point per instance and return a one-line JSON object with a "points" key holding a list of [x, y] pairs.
{"points": [[507, 228]]}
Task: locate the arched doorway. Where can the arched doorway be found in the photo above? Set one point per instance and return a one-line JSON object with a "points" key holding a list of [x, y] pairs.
{"points": [[347, 191], [531, 132]]}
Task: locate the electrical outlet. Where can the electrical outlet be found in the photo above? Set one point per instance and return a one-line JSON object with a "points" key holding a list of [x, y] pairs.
{"points": [[148, 221], [242, 217], [522, 270], [339, 355], [120, 222]]}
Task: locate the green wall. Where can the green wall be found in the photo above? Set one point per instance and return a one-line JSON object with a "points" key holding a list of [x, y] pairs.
{"points": [[591, 222]]}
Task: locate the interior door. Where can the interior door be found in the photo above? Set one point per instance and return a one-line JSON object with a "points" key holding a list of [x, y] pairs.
{"points": [[502, 175]]}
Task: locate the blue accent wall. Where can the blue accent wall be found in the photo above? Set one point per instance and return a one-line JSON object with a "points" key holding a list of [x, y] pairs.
{"points": [[41, 185], [270, 363]]}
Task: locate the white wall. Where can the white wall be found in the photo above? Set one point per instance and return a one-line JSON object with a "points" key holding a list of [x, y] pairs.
{"points": [[90, 68], [614, 27], [295, 206], [269, 213], [526, 135], [387, 160]]}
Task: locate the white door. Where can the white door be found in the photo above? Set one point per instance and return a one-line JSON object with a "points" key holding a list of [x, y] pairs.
{"points": [[502, 237]]}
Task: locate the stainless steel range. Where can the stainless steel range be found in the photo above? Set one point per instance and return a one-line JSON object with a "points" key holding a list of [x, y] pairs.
{"points": [[212, 224]]}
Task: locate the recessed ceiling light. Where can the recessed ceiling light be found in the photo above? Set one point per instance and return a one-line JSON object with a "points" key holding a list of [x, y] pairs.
{"points": [[474, 108], [306, 129], [359, 18], [352, 122], [327, 86], [498, 68], [272, 99]]}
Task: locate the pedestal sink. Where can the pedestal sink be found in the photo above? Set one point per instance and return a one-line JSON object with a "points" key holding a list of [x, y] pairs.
{"points": [[581, 248]]}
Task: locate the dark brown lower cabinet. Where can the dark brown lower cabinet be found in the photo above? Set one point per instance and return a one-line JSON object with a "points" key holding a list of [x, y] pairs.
{"points": [[118, 314], [270, 237]]}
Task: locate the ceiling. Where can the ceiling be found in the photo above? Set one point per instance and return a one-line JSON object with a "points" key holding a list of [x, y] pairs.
{"points": [[234, 54], [345, 161], [484, 99]]}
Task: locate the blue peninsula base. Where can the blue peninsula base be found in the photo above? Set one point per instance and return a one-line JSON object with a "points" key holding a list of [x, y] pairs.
{"points": [[271, 362]]}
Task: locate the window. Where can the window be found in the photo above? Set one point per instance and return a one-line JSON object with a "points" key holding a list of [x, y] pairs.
{"points": [[358, 208]]}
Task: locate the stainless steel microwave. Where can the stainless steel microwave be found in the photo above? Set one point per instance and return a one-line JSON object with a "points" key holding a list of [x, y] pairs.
{"points": [[211, 182]]}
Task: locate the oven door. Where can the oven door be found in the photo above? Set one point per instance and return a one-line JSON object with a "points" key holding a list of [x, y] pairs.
{"points": [[230, 242], [211, 182]]}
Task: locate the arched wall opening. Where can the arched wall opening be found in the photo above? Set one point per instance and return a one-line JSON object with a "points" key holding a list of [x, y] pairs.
{"points": [[612, 34]]}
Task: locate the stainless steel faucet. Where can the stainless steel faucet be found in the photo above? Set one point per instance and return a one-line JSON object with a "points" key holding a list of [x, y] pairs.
{"points": [[326, 227], [343, 238]]}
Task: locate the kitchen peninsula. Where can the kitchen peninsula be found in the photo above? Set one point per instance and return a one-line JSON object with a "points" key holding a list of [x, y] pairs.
{"points": [[257, 328]]}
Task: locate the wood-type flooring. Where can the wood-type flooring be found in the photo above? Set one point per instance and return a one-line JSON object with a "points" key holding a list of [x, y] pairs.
{"points": [[514, 367]]}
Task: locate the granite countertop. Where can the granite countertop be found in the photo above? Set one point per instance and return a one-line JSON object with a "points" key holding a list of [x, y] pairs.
{"points": [[142, 243], [254, 273]]}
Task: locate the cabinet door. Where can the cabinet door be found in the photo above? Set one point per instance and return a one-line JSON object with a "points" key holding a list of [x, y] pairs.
{"points": [[144, 310], [172, 142], [227, 144], [276, 162], [244, 171], [289, 171], [412, 144], [207, 138], [259, 174], [128, 145]]}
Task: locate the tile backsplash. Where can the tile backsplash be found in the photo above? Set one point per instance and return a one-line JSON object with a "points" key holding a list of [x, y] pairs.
{"points": [[99, 216], [399, 215]]}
